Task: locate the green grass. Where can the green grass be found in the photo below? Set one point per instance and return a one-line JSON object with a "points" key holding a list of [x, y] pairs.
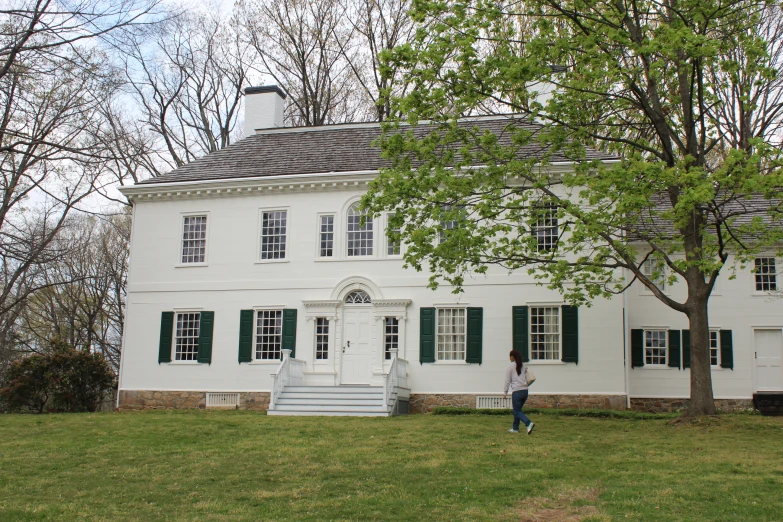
{"points": [[246, 466]]}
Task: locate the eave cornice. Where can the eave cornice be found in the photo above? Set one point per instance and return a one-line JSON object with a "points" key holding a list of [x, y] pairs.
{"points": [[329, 181], [325, 181]]}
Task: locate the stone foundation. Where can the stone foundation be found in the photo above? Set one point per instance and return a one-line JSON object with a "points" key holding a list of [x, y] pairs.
{"points": [[425, 402], [652, 405], [168, 400], [258, 401]]}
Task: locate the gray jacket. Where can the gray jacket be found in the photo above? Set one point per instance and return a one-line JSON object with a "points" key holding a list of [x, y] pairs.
{"points": [[517, 382]]}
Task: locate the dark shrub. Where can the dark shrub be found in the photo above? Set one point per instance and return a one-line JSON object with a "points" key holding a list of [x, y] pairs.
{"points": [[65, 379]]}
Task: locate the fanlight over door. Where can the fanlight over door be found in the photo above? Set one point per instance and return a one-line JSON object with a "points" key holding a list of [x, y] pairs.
{"points": [[358, 297]]}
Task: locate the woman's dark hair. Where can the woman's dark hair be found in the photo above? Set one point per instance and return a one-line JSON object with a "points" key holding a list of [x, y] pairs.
{"points": [[517, 359]]}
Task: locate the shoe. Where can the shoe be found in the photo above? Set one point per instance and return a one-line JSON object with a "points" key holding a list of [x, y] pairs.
{"points": [[530, 428], [512, 430]]}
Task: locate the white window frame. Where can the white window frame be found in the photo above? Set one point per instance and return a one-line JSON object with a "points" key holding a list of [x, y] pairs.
{"points": [[387, 243], [181, 239], [539, 228], [261, 211], [372, 237], [438, 310], [646, 270], [667, 354], [715, 331], [318, 233], [387, 335], [559, 354], [177, 313], [317, 335], [775, 274], [254, 351]]}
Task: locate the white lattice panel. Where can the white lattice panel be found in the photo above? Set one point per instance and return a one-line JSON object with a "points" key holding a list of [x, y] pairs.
{"points": [[493, 402], [222, 400]]}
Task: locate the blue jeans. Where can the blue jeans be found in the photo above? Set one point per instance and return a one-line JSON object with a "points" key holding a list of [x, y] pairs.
{"points": [[518, 399]]}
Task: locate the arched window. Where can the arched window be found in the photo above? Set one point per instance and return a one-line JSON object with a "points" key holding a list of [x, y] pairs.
{"points": [[358, 297], [359, 239]]}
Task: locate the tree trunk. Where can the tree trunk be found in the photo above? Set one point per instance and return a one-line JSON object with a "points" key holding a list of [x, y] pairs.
{"points": [[702, 402]]}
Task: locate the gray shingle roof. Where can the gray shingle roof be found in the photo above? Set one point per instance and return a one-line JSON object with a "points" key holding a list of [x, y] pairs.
{"points": [[333, 148]]}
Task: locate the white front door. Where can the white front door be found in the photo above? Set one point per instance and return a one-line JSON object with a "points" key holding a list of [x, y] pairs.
{"points": [[356, 349], [769, 360]]}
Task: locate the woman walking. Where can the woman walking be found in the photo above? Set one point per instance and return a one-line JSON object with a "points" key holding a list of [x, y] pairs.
{"points": [[516, 377]]}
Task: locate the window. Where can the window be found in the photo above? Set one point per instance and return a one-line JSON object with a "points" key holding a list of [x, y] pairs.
{"points": [[451, 334], [655, 271], [545, 227], [714, 349], [392, 247], [765, 274], [359, 237], [446, 225], [273, 234], [326, 236], [269, 334], [186, 336], [321, 338], [391, 336], [194, 239], [655, 347], [358, 297], [545, 333]]}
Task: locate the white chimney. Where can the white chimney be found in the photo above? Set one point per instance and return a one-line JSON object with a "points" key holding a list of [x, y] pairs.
{"points": [[263, 108]]}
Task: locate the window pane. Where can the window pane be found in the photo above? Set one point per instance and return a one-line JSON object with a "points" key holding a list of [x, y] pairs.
{"points": [[765, 274], [392, 247], [326, 239], [655, 271], [451, 334], [269, 334], [655, 346], [186, 337], [545, 333], [359, 237], [714, 351], [273, 231], [321, 338], [545, 227], [194, 239], [391, 336]]}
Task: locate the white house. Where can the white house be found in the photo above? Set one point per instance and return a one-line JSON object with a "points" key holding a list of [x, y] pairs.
{"points": [[258, 249]]}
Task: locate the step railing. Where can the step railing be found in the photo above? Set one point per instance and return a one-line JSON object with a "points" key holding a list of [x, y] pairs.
{"points": [[289, 373], [396, 377]]}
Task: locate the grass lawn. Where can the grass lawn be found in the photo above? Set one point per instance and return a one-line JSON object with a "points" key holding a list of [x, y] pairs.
{"points": [[197, 465]]}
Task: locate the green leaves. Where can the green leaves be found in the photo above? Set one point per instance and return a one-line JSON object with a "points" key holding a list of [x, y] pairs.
{"points": [[645, 82]]}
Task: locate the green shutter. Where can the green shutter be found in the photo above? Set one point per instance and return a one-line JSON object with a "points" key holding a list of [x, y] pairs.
{"points": [[686, 348], [520, 323], [637, 348], [289, 331], [205, 337], [674, 348], [475, 329], [166, 336], [427, 335], [246, 335], [726, 350], [570, 334]]}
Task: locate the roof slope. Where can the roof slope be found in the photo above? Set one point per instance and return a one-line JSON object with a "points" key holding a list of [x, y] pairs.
{"points": [[333, 148]]}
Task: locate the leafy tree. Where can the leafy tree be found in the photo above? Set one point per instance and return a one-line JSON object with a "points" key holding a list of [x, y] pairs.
{"points": [[693, 191]]}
